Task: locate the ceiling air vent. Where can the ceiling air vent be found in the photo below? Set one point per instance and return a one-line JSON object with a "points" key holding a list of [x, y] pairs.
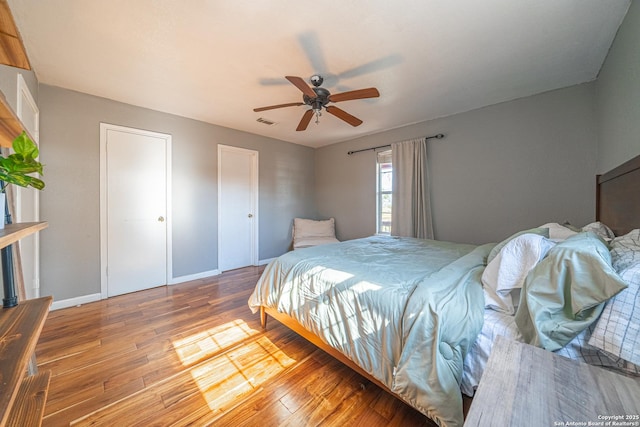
{"points": [[265, 121]]}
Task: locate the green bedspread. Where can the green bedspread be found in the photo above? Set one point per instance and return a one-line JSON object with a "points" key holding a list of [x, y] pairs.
{"points": [[406, 310]]}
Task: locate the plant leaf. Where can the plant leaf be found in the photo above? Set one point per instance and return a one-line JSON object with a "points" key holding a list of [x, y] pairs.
{"points": [[34, 182], [24, 146], [15, 167]]}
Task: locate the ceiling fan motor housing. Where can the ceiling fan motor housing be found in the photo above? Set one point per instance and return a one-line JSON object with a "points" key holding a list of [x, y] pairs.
{"points": [[321, 99]]}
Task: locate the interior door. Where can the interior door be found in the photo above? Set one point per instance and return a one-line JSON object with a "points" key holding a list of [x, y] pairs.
{"points": [[237, 207], [135, 223], [28, 199]]}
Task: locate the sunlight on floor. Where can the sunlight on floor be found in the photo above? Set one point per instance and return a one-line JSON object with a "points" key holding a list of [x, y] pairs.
{"points": [[229, 361], [202, 345]]}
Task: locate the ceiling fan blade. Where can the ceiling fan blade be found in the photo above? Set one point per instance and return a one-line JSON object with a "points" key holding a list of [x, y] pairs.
{"points": [[375, 65], [306, 118], [341, 114], [302, 85], [371, 92], [271, 107], [310, 44]]}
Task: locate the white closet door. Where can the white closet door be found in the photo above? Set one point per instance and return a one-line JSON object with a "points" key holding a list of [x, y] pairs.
{"points": [[135, 195], [237, 207]]}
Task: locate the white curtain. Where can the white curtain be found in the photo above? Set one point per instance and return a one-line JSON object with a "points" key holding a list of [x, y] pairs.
{"points": [[411, 211]]}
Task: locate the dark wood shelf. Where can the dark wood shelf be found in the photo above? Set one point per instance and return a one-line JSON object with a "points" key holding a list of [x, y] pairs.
{"points": [[20, 328]]}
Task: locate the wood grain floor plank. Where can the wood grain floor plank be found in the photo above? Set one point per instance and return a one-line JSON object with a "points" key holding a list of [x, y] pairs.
{"points": [[79, 381], [386, 405], [93, 356], [69, 412], [81, 393], [193, 354], [268, 403], [352, 406], [327, 396]]}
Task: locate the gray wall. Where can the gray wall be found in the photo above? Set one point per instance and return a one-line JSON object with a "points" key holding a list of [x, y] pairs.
{"points": [[500, 169], [618, 96], [70, 138]]}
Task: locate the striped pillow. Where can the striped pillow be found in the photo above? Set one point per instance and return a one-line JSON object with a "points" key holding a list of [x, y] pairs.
{"points": [[617, 331]]}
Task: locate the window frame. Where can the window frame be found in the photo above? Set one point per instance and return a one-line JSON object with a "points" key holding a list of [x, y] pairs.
{"points": [[383, 158]]}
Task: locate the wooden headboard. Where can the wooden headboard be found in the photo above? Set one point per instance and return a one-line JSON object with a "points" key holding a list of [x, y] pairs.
{"points": [[618, 197]]}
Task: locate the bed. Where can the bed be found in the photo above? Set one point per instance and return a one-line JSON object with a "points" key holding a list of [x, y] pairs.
{"points": [[411, 314]]}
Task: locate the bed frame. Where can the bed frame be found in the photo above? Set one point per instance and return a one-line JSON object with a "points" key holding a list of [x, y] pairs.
{"points": [[617, 205], [292, 324]]}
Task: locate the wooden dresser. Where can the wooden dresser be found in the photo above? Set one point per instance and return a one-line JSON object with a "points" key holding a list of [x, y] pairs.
{"points": [[527, 386]]}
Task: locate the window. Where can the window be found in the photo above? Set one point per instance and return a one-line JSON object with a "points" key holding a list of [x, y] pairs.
{"points": [[384, 184]]}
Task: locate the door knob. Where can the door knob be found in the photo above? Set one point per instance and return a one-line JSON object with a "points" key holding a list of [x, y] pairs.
{"points": [[160, 219], [250, 215]]}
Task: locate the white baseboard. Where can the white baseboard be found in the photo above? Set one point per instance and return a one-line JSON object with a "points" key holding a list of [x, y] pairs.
{"points": [[196, 276], [266, 261], [71, 302]]}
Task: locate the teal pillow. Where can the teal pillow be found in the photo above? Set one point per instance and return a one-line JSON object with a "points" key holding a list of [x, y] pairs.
{"points": [[496, 249], [566, 291]]}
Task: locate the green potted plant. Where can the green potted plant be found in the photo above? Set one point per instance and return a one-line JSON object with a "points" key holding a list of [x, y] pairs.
{"points": [[17, 167]]}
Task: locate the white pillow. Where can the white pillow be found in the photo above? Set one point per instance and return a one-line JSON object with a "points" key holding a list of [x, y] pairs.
{"points": [[504, 276], [312, 228], [558, 232], [308, 232]]}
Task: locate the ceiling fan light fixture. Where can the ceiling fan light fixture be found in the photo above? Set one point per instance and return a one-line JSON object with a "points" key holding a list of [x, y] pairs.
{"points": [[317, 105]]}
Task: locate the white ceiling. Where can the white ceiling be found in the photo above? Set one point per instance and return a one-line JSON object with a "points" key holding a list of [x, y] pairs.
{"points": [[215, 60]]}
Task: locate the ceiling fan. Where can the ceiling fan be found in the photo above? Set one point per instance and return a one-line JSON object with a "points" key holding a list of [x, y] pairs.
{"points": [[318, 98]]}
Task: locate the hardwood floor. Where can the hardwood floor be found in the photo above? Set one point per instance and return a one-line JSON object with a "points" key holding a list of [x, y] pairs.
{"points": [[194, 354]]}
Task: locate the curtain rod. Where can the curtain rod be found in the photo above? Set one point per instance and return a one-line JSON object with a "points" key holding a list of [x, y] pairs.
{"points": [[438, 136]]}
